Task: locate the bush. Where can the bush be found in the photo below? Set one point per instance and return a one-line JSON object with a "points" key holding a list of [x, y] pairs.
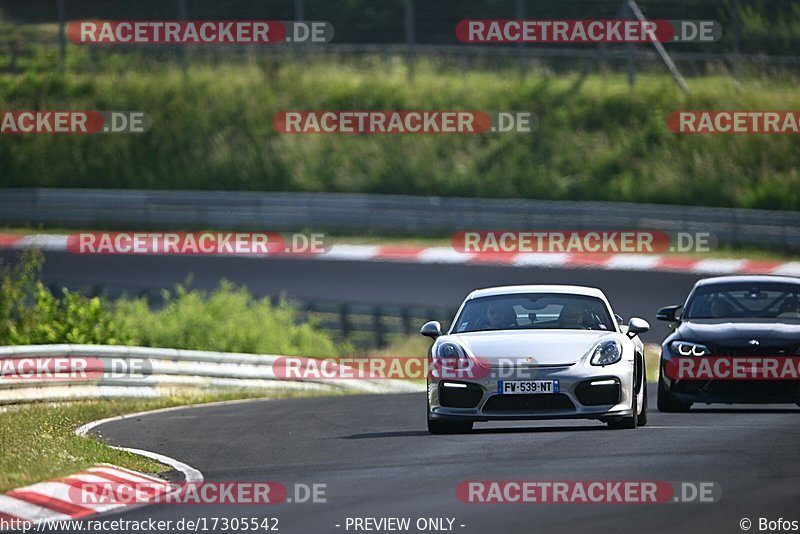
{"points": [[227, 319], [30, 314]]}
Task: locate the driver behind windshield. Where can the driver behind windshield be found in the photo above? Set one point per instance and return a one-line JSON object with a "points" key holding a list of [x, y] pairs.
{"points": [[500, 316], [721, 308], [571, 316], [790, 307]]}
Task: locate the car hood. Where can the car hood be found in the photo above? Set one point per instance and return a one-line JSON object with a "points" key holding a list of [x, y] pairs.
{"points": [[737, 333], [543, 347]]}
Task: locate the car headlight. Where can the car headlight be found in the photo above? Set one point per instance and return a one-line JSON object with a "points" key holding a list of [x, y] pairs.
{"points": [[606, 353], [687, 348], [450, 352], [451, 361]]}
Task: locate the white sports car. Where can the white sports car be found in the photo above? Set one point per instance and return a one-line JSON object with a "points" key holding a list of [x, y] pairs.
{"points": [[536, 352]]}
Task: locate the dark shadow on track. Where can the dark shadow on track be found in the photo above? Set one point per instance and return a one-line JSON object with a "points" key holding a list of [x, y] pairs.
{"points": [[536, 429], [515, 430], [742, 411], [376, 435]]}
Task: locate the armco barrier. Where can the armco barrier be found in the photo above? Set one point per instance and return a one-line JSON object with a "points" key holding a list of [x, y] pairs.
{"points": [[174, 210], [168, 371]]}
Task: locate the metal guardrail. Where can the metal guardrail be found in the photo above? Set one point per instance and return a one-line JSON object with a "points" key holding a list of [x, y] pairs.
{"points": [[396, 214], [414, 27], [167, 371], [527, 57], [371, 325]]}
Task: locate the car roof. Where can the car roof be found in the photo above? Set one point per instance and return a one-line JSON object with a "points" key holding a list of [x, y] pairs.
{"points": [[748, 279], [539, 288]]}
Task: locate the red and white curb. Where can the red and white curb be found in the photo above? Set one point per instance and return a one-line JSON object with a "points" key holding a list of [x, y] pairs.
{"points": [[446, 255], [55, 500]]}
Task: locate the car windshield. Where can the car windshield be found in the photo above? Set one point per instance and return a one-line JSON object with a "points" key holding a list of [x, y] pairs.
{"points": [[533, 311], [745, 300]]}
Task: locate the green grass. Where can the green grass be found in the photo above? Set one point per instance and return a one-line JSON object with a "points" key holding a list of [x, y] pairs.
{"points": [[38, 441], [652, 358], [599, 140]]}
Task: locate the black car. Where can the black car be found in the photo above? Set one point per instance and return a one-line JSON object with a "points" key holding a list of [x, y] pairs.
{"points": [[736, 340]]}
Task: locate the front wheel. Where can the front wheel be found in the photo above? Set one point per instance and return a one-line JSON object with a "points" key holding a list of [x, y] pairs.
{"points": [[667, 401], [448, 427], [636, 418], [642, 419], [629, 422]]}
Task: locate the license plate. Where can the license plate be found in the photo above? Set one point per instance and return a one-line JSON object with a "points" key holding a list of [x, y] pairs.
{"points": [[526, 387]]}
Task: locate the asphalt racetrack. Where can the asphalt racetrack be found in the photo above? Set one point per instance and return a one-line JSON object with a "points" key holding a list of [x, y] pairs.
{"points": [[376, 459]]}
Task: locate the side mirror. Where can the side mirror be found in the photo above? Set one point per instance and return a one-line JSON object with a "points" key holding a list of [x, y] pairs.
{"points": [[637, 326], [669, 313], [431, 329]]}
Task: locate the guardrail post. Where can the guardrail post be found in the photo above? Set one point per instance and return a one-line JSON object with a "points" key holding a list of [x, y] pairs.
{"points": [[405, 317], [62, 32], [411, 35], [182, 52], [736, 23], [344, 321], [519, 14], [377, 326], [299, 14], [630, 51]]}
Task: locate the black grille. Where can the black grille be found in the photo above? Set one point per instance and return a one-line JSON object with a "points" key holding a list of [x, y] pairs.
{"points": [[529, 403], [590, 395], [456, 397]]}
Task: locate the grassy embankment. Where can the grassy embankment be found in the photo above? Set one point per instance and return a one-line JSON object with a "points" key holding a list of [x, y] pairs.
{"points": [[600, 140]]}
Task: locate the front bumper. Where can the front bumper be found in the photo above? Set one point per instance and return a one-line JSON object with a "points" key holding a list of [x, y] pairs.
{"points": [[578, 396], [734, 391], [709, 391]]}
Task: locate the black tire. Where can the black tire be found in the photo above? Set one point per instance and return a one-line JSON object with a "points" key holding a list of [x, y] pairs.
{"points": [[449, 427], [637, 419], [628, 422], [642, 419], [668, 403], [623, 423]]}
